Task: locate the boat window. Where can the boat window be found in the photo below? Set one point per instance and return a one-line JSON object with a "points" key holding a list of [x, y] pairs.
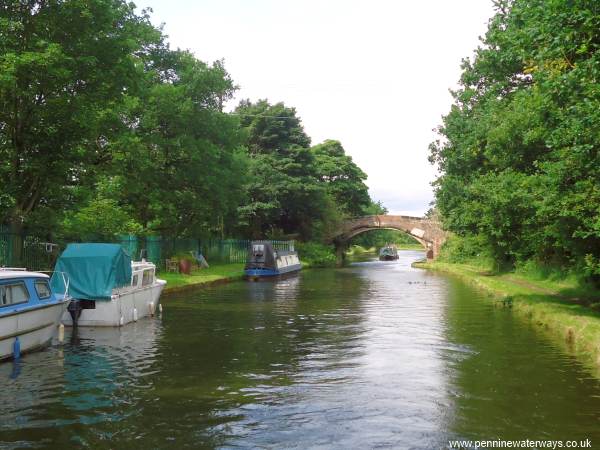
{"points": [[258, 248], [147, 277], [43, 289], [11, 294], [134, 280]]}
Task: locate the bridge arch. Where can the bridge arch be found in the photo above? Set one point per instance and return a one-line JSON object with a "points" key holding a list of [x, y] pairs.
{"points": [[427, 231], [426, 245]]}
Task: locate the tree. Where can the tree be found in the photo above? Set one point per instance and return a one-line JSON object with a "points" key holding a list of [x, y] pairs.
{"points": [[64, 65], [179, 161], [271, 128], [283, 191], [343, 178], [101, 120], [100, 219], [519, 154]]}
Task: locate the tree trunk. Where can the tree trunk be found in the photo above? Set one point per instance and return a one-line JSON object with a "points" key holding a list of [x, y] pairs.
{"points": [[340, 253]]}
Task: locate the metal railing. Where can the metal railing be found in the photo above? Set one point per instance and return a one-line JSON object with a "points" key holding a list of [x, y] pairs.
{"points": [[35, 254], [220, 251], [26, 251]]}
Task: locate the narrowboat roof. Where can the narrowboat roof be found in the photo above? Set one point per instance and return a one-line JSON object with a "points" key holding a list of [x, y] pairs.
{"points": [[10, 274]]}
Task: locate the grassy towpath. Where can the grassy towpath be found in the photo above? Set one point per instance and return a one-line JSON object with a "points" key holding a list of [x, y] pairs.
{"points": [[215, 273]]}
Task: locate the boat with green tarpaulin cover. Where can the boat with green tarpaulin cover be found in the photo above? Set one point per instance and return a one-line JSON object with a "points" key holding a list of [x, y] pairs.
{"points": [[107, 287]]}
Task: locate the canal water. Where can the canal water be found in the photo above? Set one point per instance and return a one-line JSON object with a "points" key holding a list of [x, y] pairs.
{"points": [[376, 355]]}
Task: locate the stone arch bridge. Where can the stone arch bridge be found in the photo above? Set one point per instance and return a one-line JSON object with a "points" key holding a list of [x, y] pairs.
{"points": [[427, 231]]}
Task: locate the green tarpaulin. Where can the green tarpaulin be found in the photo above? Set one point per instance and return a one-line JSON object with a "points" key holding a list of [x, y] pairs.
{"points": [[93, 270]]}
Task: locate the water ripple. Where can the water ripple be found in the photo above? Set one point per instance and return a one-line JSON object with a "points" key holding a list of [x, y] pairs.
{"points": [[377, 355]]}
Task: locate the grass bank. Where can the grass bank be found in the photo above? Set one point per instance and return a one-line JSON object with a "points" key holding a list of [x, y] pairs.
{"points": [[410, 247], [311, 254], [564, 311], [357, 250], [177, 282]]}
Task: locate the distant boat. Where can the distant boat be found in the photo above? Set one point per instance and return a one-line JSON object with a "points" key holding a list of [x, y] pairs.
{"points": [[264, 261], [388, 253], [107, 288], [30, 311]]}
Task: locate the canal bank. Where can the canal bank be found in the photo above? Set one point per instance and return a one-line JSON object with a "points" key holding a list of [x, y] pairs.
{"points": [[215, 274], [570, 321]]}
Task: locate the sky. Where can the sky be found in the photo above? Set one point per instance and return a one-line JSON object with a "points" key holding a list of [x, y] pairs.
{"points": [[374, 75]]}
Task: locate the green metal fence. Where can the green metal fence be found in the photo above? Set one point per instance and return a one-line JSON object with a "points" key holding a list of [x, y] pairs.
{"points": [[35, 254], [130, 244], [39, 255], [234, 250], [6, 247], [215, 251], [224, 251], [26, 251]]}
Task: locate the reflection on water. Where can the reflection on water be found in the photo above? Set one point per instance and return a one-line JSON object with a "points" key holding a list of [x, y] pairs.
{"points": [[91, 379], [374, 355], [510, 381]]}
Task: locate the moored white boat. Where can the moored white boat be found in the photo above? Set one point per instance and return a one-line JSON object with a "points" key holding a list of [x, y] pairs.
{"points": [[30, 311], [107, 288]]}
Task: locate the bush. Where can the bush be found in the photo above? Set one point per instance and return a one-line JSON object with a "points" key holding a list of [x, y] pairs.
{"points": [[591, 269], [464, 249], [184, 256], [359, 250], [316, 255]]}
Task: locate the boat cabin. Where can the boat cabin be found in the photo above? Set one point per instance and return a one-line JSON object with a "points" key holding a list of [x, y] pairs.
{"points": [[264, 260], [388, 253], [142, 274], [261, 255], [20, 289], [29, 311]]}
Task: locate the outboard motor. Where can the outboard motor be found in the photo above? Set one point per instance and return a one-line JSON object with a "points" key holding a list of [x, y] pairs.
{"points": [[74, 309]]}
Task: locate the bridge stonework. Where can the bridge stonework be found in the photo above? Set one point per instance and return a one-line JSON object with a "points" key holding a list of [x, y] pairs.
{"points": [[427, 231]]}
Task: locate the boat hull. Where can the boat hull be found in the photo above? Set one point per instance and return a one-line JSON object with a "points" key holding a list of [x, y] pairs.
{"points": [[35, 327], [258, 273], [388, 258], [119, 310]]}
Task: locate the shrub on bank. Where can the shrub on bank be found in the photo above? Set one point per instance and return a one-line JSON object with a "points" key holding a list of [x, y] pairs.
{"points": [[474, 252], [360, 250], [316, 254], [458, 249]]}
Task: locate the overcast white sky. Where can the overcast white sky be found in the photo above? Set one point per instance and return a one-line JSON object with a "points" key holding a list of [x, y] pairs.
{"points": [[373, 74]]}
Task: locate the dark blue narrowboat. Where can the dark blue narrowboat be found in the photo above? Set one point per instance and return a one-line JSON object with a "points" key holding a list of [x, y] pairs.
{"points": [[388, 253], [265, 261]]}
